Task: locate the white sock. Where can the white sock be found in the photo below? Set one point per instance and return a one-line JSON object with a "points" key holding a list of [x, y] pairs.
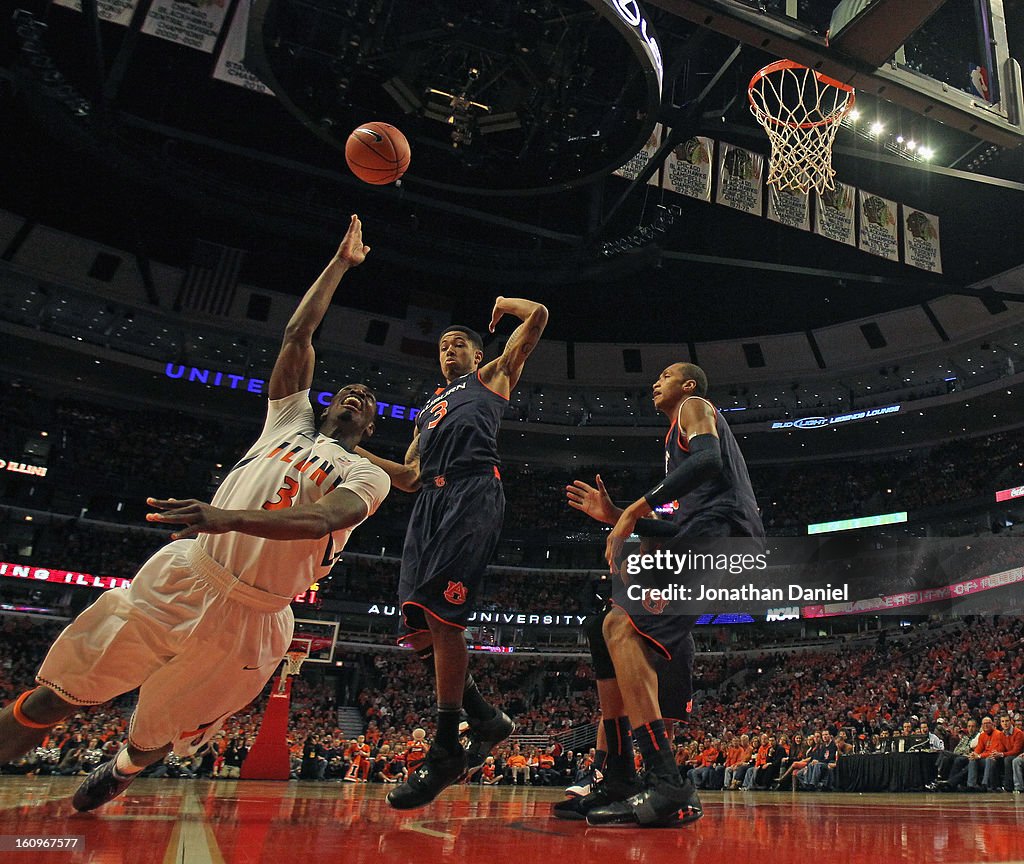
{"points": [[123, 766]]}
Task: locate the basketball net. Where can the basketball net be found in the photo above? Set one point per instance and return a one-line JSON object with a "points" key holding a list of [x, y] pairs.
{"points": [[293, 660], [801, 111]]}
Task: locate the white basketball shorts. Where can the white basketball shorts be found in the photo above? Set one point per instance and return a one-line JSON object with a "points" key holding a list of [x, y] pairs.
{"points": [[197, 643]]}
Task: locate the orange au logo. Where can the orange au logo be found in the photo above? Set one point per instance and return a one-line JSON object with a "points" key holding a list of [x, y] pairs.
{"points": [[455, 593], [655, 607]]}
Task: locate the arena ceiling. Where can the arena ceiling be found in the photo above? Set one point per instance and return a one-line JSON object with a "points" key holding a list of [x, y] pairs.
{"points": [[120, 136]]}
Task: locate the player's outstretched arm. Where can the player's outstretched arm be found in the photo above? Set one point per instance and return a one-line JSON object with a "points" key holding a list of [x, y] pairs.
{"points": [[293, 370], [404, 475], [502, 374], [339, 509]]}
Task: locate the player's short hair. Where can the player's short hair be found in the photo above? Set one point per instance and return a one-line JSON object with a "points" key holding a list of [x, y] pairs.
{"points": [[691, 371], [472, 335]]}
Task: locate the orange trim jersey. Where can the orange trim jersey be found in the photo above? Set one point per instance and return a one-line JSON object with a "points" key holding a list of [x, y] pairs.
{"points": [[729, 495], [290, 463], [459, 427]]}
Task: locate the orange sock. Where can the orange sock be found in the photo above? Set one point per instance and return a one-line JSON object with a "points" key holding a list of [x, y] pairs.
{"points": [[20, 717]]}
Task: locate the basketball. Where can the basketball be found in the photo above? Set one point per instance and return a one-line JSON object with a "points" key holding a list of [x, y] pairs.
{"points": [[377, 153]]}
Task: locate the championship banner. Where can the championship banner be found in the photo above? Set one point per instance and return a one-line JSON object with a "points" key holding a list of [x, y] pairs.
{"points": [[229, 65], [921, 246], [631, 170], [116, 11], [739, 178], [688, 168], [878, 226], [789, 207], [195, 24], [833, 215]]}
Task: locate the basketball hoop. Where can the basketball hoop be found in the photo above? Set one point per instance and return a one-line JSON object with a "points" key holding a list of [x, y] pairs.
{"points": [[801, 110], [293, 662], [294, 657]]}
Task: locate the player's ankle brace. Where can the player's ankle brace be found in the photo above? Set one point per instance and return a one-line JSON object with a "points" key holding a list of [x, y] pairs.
{"points": [[657, 752], [19, 715]]}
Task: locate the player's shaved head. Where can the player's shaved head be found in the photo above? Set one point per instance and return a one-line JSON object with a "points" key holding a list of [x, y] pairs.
{"points": [[693, 372]]}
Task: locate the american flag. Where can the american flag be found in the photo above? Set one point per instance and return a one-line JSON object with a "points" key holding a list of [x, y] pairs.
{"points": [[210, 282]]}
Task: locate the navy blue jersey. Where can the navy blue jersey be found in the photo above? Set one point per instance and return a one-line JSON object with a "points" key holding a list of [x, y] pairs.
{"points": [[729, 495], [459, 427]]}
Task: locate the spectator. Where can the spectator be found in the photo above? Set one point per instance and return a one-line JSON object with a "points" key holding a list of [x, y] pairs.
{"points": [[1013, 738], [987, 755]]}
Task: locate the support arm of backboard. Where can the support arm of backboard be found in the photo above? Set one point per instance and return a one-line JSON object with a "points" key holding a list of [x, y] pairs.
{"points": [[678, 132]]}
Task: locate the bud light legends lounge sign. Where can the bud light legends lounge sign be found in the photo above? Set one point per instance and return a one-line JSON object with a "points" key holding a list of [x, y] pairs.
{"points": [[822, 422]]}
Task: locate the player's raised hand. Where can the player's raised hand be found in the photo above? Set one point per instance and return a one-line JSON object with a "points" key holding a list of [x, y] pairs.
{"points": [[497, 313], [352, 250], [198, 517], [595, 502]]}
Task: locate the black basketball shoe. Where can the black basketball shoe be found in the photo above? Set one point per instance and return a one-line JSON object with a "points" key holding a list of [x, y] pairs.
{"points": [[660, 805], [483, 736], [438, 771], [102, 785], [601, 794]]}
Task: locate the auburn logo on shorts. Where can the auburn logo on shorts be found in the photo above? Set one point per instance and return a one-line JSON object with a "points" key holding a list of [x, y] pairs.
{"points": [[655, 607], [455, 593]]}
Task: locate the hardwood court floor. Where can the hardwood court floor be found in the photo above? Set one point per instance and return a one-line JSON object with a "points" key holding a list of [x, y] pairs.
{"points": [[238, 822]]}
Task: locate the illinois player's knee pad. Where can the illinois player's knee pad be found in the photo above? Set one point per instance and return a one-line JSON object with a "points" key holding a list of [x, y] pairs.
{"points": [[602, 660]]}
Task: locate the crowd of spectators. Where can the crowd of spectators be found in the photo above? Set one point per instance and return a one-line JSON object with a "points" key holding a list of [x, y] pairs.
{"points": [[767, 720], [110, 452]]}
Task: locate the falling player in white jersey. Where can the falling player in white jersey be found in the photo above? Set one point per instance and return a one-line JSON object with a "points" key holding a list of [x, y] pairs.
{"points": [[207, 620]]}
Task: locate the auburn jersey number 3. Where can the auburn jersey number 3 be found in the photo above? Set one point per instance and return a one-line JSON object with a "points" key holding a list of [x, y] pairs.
{"points": [[439, 410]]}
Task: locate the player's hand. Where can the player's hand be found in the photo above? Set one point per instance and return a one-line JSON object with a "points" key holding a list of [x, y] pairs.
{"points": [[595, 502], [618, 537], [497, 314], [198, 517], [352, 251]]}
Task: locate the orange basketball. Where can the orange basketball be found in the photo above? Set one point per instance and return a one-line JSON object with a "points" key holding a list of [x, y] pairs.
{"points": [[377, 153]]}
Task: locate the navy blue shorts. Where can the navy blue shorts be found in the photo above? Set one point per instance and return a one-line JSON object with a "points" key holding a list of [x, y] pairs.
{"points": [[669, 633], [675, 676], [675, 681], [452, 534]]}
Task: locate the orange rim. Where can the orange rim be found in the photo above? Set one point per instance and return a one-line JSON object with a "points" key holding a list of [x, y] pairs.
{"points": [[781, 65]]}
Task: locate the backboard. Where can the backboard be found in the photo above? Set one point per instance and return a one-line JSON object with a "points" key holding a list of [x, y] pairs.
{"points": [[957, 65], [321, 636]]}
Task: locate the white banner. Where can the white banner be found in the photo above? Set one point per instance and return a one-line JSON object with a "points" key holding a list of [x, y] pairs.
{"points": [[631, 170], [195, 24], [921, 245], [789, 207], [739, 178], [878, 226], [688, 168], [229, 65], [117, 11], [833, 214]]}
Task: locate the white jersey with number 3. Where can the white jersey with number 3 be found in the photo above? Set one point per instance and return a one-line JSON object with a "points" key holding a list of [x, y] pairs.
{"points": [[290, 464]]}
